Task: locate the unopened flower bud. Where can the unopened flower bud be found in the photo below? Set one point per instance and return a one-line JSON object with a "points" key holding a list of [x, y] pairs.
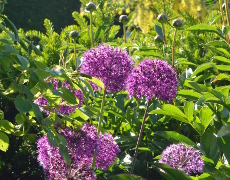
{"points": [[138, 28], [162, 18], [123, 19], [74, 34], [223, 5], [177, 23], [91, 7], [158, 39]]}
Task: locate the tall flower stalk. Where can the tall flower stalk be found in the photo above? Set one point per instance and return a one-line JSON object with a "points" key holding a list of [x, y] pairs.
{"points": [[151, 78], [74, 35], [221, 10], [227, 11], [124, 19]]}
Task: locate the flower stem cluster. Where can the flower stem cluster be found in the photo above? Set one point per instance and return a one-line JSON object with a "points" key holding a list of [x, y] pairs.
{"points": [[183, 157], [81, 146]]}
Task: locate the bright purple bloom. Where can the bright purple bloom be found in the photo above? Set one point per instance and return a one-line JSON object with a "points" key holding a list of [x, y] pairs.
{"points": [[183, 157], [110, 65], [81, 146], [64, 109], [152, 78]]}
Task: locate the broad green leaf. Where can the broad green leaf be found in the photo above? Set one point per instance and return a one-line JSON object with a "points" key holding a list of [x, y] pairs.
{"points": [[222, 59], [204, 28], [175, 173], [224, 144], [20, 119], [175, 137], [223, 67], [96, 81], [125, 177], [4, 141], [6, 126], [27, 91], [196, 86], [202, 68], [37, 111], [185, 63], [206, 116], [22, 104], [218, 43], [173, 110], [24, 62], [190, 94], [221, 77], [66, 94], [223, 51], [159, 31], [62, 140], [148, 54], [100, 31], [11, 26], [79, 47], [188, 110], [209, 144], [224, 130], [65, 155], [120, 102], [33, 80]]}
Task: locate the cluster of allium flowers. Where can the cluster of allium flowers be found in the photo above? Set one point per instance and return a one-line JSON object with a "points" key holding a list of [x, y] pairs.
{"points": [[152, 78], [81, 146], [110, 65], [63, 109], [183, 157]]}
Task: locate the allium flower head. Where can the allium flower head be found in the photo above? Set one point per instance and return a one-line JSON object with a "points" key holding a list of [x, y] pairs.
{"points": [[81, 146], [154, 79], [183, 157], [110, 65]]}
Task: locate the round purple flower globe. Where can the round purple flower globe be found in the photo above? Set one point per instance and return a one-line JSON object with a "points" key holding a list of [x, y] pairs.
{"points": [[81, 144], [110, 65], [182, 157], [152, 78]]}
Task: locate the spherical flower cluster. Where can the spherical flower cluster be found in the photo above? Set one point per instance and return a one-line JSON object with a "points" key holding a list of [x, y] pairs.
{"points": [[110, 65], [154, 79], [81, 146], [183, 157], [63, 109]]}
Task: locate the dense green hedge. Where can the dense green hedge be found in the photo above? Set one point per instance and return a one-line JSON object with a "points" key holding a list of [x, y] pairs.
{"points": [[30, 14]]}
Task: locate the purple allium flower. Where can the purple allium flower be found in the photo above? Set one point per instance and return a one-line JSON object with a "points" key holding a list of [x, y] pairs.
{"points": [[152, 78], [110, 65], [64, 109], [81, 146], [183, 157]]}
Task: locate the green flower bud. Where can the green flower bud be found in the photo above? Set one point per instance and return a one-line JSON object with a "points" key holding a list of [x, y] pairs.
{"points": [[74, 34], [177, 23], [123, 19], [91, 7], [158, 39], [162, 18]]}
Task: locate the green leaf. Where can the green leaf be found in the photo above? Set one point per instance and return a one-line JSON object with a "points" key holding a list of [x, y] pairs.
{"points": [[190, 94], [1, 114], [196, 86], [125, 177], [62, 140], [206, 116], [218, 43], [11, 26], [65, 155], [4, 141], [33, 80], [148, 54], [27, 91], [32, 138], [204, 28], [120, 102], [203, 67], [209, 144], [37, 111], [224, 130], [20, 119], [185, 63], [128, 45], [222, 59], [22, 104], [223, 67], [175, 137], [222, 76], [223, 51], [24, 62], [100, 31], [224, 144], [173, 110], [6, 126], [159, 31], [188, 110], [66, 94], [175, 173], [96, 81]]}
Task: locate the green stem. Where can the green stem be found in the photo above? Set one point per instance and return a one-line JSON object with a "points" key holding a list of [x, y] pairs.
{"points": [[139, 137], [99, 125], [221, 10], [173, 47], [163, 27], [75, 56], [91, 27], [227, 11], [124, 33]]}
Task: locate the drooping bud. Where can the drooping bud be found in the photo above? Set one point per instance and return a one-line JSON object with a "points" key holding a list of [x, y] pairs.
{"points": [[162, 18], [74, 34], [138, 28], [223, 5], [91, 7], [158, 39], [123, 19], [177, 23]]}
